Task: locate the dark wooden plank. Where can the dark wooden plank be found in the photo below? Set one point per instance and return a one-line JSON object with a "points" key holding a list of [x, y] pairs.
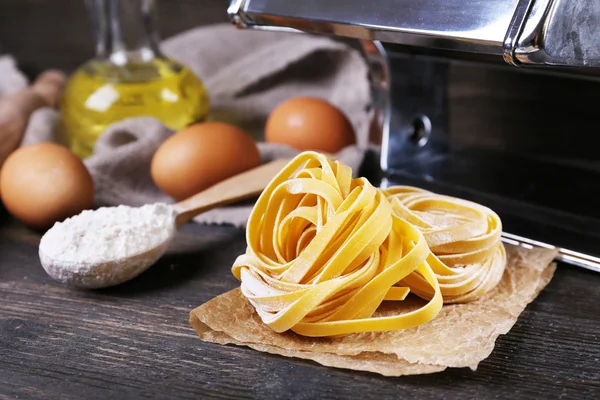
{"points": [[135, 341]]}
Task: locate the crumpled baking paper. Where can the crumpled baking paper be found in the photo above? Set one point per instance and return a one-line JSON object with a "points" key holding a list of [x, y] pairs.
{"points": [[462, 335]]}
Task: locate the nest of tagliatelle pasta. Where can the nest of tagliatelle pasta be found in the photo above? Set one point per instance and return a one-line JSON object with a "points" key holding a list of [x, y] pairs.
{"points": [[395, 281]]}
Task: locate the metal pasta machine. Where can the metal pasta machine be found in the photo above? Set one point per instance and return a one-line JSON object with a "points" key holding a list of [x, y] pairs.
{"points": [[495, 101]]}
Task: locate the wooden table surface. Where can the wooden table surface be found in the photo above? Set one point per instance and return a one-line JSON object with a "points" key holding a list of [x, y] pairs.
{"points": [[134, 341]]}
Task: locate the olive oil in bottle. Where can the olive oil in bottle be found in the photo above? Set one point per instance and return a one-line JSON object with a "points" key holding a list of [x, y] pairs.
{"points": [[129, 77]]}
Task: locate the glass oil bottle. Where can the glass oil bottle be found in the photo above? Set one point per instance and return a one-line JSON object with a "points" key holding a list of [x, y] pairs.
{"points": [[129, 77]]}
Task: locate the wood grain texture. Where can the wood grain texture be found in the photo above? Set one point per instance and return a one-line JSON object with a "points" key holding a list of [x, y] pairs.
{"points": [[239, 187], [134, 340]]}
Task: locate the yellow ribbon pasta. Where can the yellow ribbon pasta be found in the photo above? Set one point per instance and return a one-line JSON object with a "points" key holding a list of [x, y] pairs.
{"points": [[469, 258], [324, 250]]}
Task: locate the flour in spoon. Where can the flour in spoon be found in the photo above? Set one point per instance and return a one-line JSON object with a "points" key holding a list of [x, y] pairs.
{"points": [[108, 233]]}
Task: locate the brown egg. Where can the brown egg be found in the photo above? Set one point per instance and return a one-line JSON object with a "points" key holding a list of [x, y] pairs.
{"points": [[309, 123], [201, 155], [44, 183]]}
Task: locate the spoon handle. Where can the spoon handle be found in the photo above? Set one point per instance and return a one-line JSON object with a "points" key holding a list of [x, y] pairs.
{"points": [[238, 187]]}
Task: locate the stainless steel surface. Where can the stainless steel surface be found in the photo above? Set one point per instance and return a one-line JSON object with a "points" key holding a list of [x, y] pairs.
{"points": [[530, 32], [419, 107], [567, 256], [519, 20], [561, 32], [379, 75], [409, 89], [478, 26]]}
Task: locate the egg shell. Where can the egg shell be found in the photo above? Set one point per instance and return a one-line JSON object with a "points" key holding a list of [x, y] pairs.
{"points": [[44, 183], [309, 123], [200, 156]]}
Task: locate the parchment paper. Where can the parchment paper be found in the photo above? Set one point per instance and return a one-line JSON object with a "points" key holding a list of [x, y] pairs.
{"points": [[462, 335]]}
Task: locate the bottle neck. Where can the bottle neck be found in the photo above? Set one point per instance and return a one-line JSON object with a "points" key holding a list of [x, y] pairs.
{"points": [[125, 30]]}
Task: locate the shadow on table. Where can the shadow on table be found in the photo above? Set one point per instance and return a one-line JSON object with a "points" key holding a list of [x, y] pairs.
{"points": [[3, 213], [194, 252]]}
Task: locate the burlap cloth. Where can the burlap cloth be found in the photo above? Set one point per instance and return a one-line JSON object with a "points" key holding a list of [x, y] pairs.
{"points": [[247, 73]]}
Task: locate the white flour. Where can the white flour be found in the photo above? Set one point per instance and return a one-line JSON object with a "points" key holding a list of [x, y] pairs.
{"points": [[108, 233]]}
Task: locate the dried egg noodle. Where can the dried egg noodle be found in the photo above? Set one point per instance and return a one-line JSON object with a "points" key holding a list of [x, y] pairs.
{"points": [[324, 250], [464, 237]]}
